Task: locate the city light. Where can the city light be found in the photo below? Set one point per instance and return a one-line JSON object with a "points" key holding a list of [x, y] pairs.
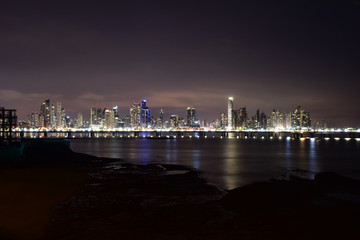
{"points": [[52, 118]]}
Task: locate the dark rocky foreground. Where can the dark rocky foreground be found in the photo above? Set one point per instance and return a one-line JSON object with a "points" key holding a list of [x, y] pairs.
{"points": [[126, 201], [143, 202]]}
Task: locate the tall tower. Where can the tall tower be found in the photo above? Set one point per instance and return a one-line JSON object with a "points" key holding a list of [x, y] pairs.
{"points": [[135, 112], [230, 112], [45, 111], [145, 115], [52, 116], [162, 118], [58, 115], [95, 117], [191, 116]]}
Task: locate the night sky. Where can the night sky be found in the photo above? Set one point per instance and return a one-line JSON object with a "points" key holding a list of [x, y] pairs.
{"points": [[175, 54]]}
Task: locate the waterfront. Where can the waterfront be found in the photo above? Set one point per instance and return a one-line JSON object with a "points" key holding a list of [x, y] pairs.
{"points": [[231, 163]]}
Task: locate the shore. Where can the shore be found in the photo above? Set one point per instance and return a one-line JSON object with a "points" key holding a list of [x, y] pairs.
{"points": [[75, 196]]}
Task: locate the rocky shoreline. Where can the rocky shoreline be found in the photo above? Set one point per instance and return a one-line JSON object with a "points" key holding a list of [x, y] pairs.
{"points": [[143, 202], [126, 201]]}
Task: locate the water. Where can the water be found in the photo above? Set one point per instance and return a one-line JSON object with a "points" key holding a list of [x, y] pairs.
{"points": [[230, 163]]}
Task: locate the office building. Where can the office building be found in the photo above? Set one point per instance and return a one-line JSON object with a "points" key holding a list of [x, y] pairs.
{"points": [[230, 125], [96, 116], [191, 117], [135, 112], [300, 119], [145, 115], [45, 112], [174, 121]]}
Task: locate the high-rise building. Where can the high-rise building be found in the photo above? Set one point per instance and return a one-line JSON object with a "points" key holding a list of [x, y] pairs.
{"points": [[58, 115], [109, 119], [191, 117], [135, 112], [161, 117], [243, 117], [45, 112], [116, 111], [41, 121], [64, 118], [79, 120], [223, 121], [288, 121], [277, 120], [237, 119], [117, 119], [174, 121], [52, 116], [181, 122], [230, 125], [145, 115], [33, 120], [300, 118], [263, 120], [96, 118]]}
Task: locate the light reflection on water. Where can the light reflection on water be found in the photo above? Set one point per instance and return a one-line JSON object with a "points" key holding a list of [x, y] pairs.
{"points": [[231, 163], [313, 165]]}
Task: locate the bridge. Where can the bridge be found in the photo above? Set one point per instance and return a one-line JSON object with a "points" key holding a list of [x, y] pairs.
{"points": [[243, 134]]}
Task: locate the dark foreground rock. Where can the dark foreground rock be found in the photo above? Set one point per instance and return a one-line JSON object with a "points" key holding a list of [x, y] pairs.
{"points": [[128, 201], [158, 201]]}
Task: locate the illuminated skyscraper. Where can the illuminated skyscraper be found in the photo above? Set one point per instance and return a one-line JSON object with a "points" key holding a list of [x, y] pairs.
{"points": [[52, 116], [300, 118], [240, 118], [79, 120], [223, 120], [230, 113], [117, 117], [95, 117], [109, 119], [45, 112], [190, 117], [58, 115], [174, 121], [135, 112], [63, 118], [161, 119], [277, 120], [145, 115]]}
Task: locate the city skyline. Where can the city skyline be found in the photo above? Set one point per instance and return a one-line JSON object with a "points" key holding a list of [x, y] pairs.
{"points": [[180, 54], [53, 116]]}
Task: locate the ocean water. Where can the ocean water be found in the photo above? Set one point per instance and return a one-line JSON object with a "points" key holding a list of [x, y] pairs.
{"points": [[231, 163]]}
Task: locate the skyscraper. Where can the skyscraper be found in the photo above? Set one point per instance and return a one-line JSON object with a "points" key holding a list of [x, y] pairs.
{"points": [[52, 116], [145, 115], [79, 120], [191, 117], [109, 119], [95, 117], [230, 113], [116, 116], [277, 120], [63, 118], [135, 112], [174, 121], [45, 112], [161, 116], [58, 115], [300, 118], [223, 120]]}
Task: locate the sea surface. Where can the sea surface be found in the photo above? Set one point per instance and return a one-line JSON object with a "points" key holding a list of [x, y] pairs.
{"points": [[231, 163]]}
